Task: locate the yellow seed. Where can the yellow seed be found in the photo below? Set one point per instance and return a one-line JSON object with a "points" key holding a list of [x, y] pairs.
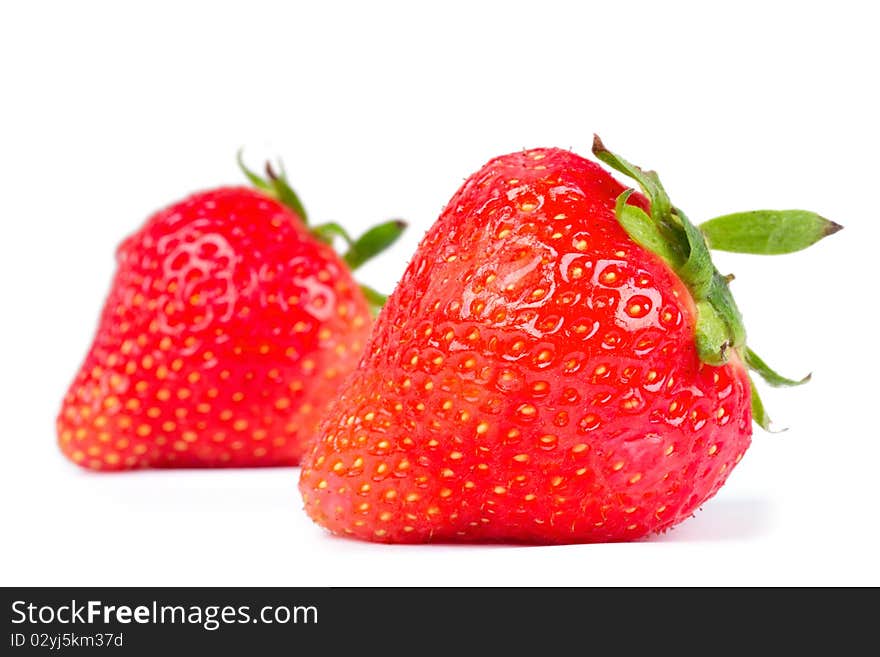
{"points": [[527, 410]]}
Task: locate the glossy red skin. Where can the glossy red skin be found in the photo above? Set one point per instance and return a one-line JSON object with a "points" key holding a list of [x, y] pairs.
{"points": [[533, 378], [226, 333]]}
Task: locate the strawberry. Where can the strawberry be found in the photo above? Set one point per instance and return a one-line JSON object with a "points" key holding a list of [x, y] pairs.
{"points": [[228, 328], [561, 362]]}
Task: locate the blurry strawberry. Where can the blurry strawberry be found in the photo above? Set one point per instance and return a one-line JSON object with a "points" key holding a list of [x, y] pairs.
{"points": [[557, 365], [229, 327]]}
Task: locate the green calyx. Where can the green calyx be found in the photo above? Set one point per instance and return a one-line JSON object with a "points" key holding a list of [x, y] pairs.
{"points": [[668, 233], [357, 250]]}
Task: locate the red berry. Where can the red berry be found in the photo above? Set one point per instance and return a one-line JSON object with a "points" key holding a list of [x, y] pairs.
{"points": [[534, 378], [228, 329]]}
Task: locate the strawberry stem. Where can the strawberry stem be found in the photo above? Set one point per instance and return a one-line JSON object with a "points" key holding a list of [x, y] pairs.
{"points": [[275, 185], [284, 192], [668, 233], [358, 251]]}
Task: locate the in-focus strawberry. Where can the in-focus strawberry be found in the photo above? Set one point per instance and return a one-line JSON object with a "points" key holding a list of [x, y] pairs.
{"points": [[561, 362], [229, 327]]}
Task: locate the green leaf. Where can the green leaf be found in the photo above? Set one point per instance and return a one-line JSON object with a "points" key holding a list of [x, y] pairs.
{"points": [[643, 230], [648, 180], [711, 334], [698, 270], [254, 179], [327, 232], [757, 364], [722, 300], [373, 242], [767, 232], [282, 191], [759, 413], [275, 185], [374, 298]]}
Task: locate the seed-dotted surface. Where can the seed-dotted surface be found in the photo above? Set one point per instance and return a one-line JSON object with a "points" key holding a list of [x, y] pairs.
{"points": [[532, 378], [227, 330]]}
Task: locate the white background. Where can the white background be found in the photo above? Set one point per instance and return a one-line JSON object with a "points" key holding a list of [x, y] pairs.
{"points": [[108, 112]]}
